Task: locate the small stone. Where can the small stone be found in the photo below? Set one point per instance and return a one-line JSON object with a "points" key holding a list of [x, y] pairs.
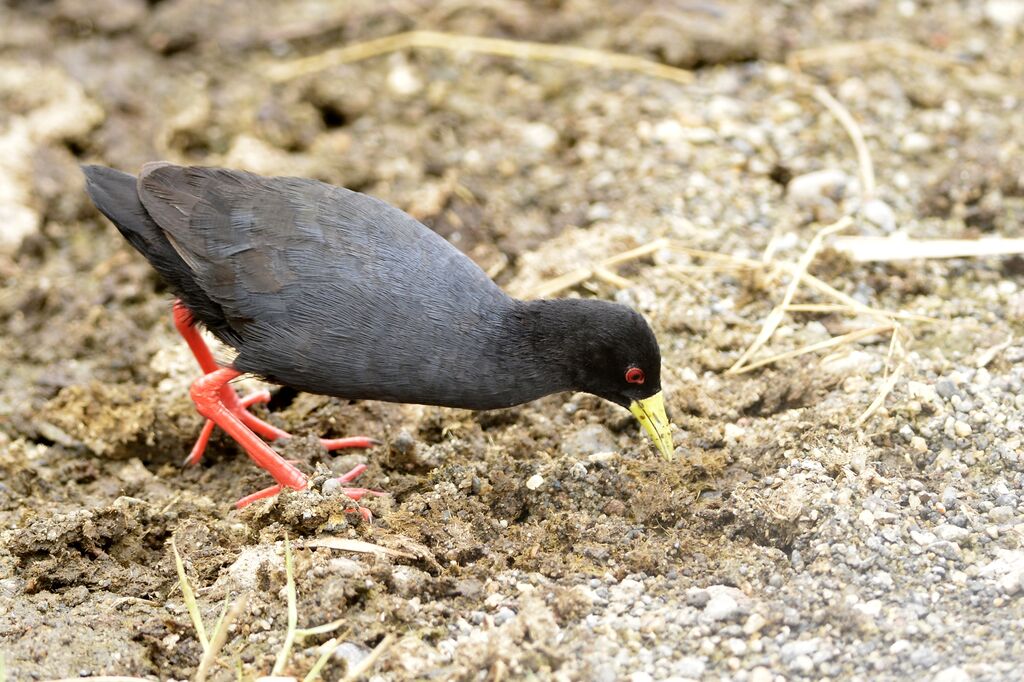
{"points": [[916, 143], [923, 538], [754, 624], [690, 667], [403, 81], [945, 388], [735, 646], [952, 533], [761, 674], [504, 615], [1005, 12], [669, 131], [351, 653], [539, 136], [918, 444], [878, 212], [1002, 514], [899, 646], [641, 676], [534, 482], [721, 607], [952, 674], [811, 189], [962, 428]]}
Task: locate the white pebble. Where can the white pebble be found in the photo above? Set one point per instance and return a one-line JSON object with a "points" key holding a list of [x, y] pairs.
{"points": [[403, 81], [534, 482], [915, 143], [811, 188], [878, 212], [539, 135], [952, 674], [1005, 12]]}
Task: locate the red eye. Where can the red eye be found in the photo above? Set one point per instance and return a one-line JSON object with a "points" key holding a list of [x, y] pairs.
{"points": [[635, 375]]}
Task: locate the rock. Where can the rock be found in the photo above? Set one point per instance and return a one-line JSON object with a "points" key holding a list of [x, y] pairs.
{"points": [[952, 533], [1005, 12], [952, 674], [923, 537], [351, 653], [962, 428], [754, 624], [945, 388], [721, 607], [534, 482], [408, 581], [811, 189], [669, 132], [690, 666], [539, 136], [1001, 514], [761, 674], [878, 212], [915, 143], [1007, 569], [404, 81]]}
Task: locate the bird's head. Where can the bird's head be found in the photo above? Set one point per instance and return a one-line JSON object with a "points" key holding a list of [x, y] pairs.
{"points": [[609, 350]]}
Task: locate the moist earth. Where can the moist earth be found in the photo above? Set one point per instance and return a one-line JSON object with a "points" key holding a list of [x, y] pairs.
{"points": [[849, 513]]}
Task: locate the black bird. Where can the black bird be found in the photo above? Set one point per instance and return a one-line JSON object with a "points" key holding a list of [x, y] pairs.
{"points": [[335, 292]]}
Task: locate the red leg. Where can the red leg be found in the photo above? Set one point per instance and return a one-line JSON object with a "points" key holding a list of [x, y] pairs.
{"points": [[217, 400], [207, 393]]}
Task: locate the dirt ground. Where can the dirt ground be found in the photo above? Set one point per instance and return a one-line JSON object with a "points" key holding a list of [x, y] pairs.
{"points": [[534, 168]]}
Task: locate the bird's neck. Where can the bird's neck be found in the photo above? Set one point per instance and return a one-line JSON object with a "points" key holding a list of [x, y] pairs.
{"points": [[540, 338]]}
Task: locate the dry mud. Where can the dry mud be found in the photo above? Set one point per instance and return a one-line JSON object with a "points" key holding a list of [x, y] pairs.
{"points": [[614, 563]]}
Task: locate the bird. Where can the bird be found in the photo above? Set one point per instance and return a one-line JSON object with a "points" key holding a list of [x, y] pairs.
{"points": [[334, 292]]}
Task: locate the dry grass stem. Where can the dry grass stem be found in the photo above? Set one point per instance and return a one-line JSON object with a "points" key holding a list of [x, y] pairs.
{"points": [[867, 168], [320, 629], [293, 613], [814, 347], [190, 598], [327, 650], [220, 636], [499, 47], [870, 48], [990, 354], [774, 318], [367, 663], [883, 393], [881, 313], [353, 545], [873, 249]]}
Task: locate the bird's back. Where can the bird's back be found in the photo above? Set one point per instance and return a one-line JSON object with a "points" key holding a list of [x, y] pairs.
{"points": [[325, 289]]}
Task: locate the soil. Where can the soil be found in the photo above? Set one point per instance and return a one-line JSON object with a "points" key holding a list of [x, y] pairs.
{"points": [[533, 168]]}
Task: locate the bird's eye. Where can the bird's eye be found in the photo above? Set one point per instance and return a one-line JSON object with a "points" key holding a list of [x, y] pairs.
{"points": [[635, 375]]}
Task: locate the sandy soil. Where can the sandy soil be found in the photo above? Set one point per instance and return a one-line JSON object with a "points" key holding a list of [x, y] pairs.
{"points": [[616, 565]]}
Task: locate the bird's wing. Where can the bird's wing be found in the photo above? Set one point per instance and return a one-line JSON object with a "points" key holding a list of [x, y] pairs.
{"points": [[262, 247]]}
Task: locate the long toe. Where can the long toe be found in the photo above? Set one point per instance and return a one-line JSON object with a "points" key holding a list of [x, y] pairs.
{"points": [[332, 444]]}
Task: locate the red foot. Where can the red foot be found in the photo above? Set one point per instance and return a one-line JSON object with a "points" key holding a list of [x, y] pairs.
{"points": [[353, 493], [217, 400]]}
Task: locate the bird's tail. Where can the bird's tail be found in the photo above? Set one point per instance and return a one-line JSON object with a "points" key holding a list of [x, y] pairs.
{"points": [[116, 196]]}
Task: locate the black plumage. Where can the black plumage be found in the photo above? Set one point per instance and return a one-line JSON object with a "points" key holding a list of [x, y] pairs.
{"points": [[335, 292]]}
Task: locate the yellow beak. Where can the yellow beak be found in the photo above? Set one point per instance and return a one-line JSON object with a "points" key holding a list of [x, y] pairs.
{"points": [[651, 414]]}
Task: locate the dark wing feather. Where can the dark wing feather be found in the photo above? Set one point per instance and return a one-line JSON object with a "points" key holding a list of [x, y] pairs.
{"points": [[116, 196], [330, 290]]}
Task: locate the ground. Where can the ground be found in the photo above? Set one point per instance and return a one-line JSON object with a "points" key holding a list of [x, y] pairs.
{"points": [[853, 513]]}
